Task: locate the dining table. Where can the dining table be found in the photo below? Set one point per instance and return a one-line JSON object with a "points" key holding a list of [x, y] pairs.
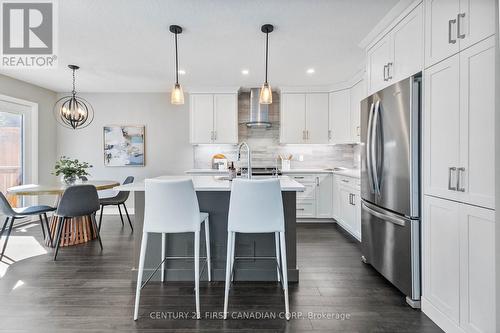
{"points": [[77, 230]]}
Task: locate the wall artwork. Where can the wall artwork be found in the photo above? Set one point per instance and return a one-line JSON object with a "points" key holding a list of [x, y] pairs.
{"points": [[123, 145]]}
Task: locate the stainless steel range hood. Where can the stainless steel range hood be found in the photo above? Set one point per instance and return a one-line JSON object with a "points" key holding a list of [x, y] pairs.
{"points": [[259, 113]]}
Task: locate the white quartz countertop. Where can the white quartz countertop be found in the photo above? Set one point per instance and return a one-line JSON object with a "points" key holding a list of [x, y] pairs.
{"points": [[212, 183]]}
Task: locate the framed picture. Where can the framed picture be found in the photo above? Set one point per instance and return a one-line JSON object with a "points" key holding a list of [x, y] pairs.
{"points": [[124, 145]]}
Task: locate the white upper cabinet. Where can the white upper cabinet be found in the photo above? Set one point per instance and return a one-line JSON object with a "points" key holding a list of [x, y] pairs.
{"points": [[440, 29], [317, 118], [304, 118], [226, 118], [408, 46], [398, 54], [201, 118], [293, 118], [358, 93], [454, 25], [339, 116], [459, 111], [213, 118], [379, 57]]}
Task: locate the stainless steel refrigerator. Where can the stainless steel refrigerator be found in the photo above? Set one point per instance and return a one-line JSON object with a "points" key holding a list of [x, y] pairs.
{"points": [[390, 184]]}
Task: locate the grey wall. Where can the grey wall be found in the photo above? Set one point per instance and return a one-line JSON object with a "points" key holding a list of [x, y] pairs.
{"points": [[45, 99], [166, 134]]}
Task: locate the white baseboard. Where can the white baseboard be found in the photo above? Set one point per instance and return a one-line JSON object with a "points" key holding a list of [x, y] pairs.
{"points": [[314, 220], [445, 323]]}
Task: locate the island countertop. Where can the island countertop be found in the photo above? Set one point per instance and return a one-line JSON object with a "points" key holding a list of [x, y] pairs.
{"points": [[213, 183]]}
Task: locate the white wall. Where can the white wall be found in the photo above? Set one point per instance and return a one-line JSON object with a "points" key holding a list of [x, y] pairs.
{"points": [[46, 123], [167, 134]]}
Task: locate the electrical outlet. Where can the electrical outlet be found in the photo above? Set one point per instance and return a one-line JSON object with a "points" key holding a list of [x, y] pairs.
{"points": [[301, 158]]}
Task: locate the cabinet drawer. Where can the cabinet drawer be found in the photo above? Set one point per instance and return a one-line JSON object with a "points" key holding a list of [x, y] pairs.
{"points": [[305, 209], [303, 178], [308, 193], [348, 181]]}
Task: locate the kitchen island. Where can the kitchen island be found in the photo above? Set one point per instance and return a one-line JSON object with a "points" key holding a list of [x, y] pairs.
{"points": [[213, 194]]}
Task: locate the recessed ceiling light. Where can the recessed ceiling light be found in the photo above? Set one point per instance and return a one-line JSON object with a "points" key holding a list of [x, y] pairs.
{"points": [[245, 71], [310, 71], [182, 72]]}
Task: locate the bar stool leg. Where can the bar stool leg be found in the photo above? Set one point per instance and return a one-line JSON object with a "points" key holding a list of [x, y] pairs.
{"points": [[233, 245], [163, 255], [277, 244], [197, 271], [228, 270], [7, 238], [140, 271], [207, 242], [284, 271]]}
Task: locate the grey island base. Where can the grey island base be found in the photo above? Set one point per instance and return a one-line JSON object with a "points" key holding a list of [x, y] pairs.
{"points": [[213, 197]]}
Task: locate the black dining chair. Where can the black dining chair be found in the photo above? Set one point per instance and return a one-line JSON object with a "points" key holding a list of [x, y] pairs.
{"points": [[77, 200], [117, 200], [15, 213]]}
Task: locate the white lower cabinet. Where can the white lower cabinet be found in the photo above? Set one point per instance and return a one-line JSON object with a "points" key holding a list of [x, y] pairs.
{"points": [[458, 270], [347, 204], [316, 200]]}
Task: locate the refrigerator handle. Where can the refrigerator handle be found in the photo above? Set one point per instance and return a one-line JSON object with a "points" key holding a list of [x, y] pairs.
{"points": [[368, 148], [375, 212], [373, 153]]}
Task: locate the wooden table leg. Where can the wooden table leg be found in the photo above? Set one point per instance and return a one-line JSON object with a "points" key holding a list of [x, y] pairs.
{"points": [[77, 230]]}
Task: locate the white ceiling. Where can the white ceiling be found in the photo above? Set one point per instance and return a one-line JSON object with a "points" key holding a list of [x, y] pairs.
{"points": [[125, 45]]}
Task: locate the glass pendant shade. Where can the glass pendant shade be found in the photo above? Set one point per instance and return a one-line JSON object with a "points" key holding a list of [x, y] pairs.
{"points": [[177, 96], [266, 94]]}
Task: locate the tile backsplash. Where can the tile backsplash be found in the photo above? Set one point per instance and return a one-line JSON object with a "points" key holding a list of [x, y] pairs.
{"points": [[266, 148]]}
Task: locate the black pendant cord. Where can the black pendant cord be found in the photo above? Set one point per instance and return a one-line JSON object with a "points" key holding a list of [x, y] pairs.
{"points": [[267, 52], [176, 62]]}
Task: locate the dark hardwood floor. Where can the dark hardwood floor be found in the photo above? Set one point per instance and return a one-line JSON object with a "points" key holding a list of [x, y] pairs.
{"points": [[90, 291]]}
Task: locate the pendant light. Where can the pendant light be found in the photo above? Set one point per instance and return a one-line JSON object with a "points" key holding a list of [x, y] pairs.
{"points": [[177, 97], [73, 111], [266, 94]]}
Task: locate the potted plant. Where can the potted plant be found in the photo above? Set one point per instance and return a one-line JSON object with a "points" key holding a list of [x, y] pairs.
{"points": [[70, 169]]}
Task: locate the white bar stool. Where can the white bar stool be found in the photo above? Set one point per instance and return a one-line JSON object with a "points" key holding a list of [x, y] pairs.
{"points": [[171, 206], [256, 206]]}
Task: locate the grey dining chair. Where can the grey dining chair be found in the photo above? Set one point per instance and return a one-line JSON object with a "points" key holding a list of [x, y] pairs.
{"points": [[117, 200], [14, 213], [77, 200]]}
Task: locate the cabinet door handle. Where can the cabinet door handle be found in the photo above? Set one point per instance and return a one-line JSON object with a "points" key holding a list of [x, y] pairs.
{"points": [[329, 134], [353, 202], [459, 26], [345, 180], [307, 134], [300, 208], [298, 177], [450, 40], [459, 179], [303, 135], [317, 181], [385, 75], [212, 135], [389, 76], [357, 130], [450, 182]]}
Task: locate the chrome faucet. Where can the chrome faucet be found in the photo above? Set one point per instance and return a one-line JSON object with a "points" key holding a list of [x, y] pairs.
{"points": [[249, 158]]}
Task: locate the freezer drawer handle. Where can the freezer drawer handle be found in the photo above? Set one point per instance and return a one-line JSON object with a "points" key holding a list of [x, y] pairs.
{"points": [[388, 218]]}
